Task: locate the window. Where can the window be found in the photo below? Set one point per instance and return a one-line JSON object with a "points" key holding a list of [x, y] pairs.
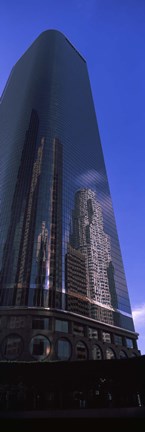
{"points": [[16, 322], [106, 337], [81, 351], [129, 343], [39, 347], [133, 354], [2, 322], [78, 329], [40, 323], [96, 352], [110, 354], [122, 354], [92, 333], [12, 347], [118, 340], [61, 326], [63, 349]]}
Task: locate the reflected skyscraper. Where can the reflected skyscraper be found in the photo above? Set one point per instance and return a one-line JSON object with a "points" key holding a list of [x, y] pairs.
{"points": [[63, 292], [76, 282], [89, 238]]}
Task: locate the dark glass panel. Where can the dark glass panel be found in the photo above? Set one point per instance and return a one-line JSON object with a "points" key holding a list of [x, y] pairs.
{"points": [[78, 330], [118, 340], [39, 347], [96, 352], [92, 333], [129, 343], [40, 323], [63, 349], [61, 326], [110, 354], [122, 354], [81, 351]]}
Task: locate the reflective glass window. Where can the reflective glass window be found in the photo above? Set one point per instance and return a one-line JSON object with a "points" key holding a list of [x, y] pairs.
{"points": [[118, 340], [78, 329], [3, 322], [122, 354], [92, 333], [129, 343], [106, 337], [63, 349], [81, 351], [96, 352], [39, 347], [133, 354], [110, 354], [61, 326], [40, 323], [12, 347]]}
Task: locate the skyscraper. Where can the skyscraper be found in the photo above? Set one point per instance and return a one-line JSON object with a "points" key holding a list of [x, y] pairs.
{"points": [[63, 292]]}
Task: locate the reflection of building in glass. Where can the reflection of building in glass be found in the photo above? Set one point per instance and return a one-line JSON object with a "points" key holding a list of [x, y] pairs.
{"points": [[55, 271], [26, 246], [89, 276], [101, 313], [76, 272], [76, 281], [110, 273], [89, 238], [49, 248], [42, 256], [42, 261], [17, 256]]}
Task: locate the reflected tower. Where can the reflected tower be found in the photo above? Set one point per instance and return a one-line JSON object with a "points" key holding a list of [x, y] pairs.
{"points": [[63, 292], [89, 238]]}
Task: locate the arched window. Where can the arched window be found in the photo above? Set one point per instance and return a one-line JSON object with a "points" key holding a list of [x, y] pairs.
{"points": [[81, 351], [96, 352], [122, 354], [110, 354], [39, 347]]}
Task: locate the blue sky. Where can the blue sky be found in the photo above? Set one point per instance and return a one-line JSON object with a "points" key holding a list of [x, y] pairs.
{"points": [[110, 34]]}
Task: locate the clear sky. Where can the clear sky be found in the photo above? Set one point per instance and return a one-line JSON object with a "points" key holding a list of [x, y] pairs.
{"points": [[110, 34]]}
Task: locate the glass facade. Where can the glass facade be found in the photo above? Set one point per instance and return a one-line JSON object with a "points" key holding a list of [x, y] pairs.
{"points": [[59, 246]]}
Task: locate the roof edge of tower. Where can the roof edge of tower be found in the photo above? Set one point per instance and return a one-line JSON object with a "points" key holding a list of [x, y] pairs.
{"points": [[75, 49], [64, 36]]}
